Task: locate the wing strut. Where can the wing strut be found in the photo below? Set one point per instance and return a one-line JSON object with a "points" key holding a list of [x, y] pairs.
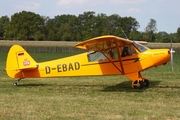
{"points": [[119, 55], [112, 62]]}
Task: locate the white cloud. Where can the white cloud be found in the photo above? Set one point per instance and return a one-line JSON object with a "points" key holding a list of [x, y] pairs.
{"points": [[127, 1], [70, 2], [133, 10], [28, 6]]}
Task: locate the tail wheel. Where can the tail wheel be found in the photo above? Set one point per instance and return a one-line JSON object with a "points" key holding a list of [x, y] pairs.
{"points": [[16, 82], [138, 84]]}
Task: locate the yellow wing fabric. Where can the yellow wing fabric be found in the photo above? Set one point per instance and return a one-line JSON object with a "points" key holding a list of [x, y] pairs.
{"points": [[102, 43], [105, 44]]}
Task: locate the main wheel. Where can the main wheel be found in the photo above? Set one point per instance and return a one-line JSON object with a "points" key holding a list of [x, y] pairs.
{"points": [[138, 84], [146, 83]]}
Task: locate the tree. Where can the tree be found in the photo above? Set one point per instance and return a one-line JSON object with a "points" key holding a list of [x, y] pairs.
{"points": [[4, 20], [129, 24], [161, 37], [99, 25], [45, 28], [64, 27], [135, 35], [178, 35], [30, 26], [113, 24], [24, 25], [150, 30], [86, 24]]}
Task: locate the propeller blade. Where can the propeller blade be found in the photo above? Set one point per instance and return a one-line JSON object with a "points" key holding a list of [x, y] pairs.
{"points": [[172, 64], [172, 61]]}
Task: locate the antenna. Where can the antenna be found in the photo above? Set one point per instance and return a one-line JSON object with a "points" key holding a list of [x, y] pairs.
{"points": [[124, 33]]}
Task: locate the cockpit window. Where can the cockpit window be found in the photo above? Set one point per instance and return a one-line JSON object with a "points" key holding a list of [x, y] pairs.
{"points": [[105, 55], [140, 47], [95, 56], [112, 53]]}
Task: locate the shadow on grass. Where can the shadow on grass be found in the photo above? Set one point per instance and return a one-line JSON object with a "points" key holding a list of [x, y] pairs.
{"points": [[168, 86], [32, 85], [123, 86], [126, 86]]}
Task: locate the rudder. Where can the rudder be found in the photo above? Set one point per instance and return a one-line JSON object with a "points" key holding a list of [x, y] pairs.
{"points": [[17, 60]]}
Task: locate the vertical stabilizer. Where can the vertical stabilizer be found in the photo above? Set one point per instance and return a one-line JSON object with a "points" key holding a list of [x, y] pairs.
{"points": [[17, 61]]}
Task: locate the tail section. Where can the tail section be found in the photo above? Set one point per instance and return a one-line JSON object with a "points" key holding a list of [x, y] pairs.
{"points": [[17, 61]]}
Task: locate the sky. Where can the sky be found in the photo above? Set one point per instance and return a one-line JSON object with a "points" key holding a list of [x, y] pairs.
{"points": [[165, 12]]}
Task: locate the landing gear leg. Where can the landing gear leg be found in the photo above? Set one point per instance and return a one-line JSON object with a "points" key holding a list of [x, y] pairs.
{"points": [[16, 82], [138, 81]]}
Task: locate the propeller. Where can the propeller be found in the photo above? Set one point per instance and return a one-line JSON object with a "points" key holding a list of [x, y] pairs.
{"points": [[172, 51]]}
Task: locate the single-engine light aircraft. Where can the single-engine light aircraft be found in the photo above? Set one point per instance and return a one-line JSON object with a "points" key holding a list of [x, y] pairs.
{"points": [[107, 55]]}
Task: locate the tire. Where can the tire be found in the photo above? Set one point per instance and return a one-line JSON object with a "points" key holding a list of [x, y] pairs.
{"points": [[138, 84], [146, 83]]}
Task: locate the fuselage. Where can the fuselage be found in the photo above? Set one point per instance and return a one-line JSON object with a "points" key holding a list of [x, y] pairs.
{"points": [[79, 65], [91, 63]]}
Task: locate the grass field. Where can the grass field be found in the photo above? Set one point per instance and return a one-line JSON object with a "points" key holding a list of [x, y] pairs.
{"points": [[90, 98]]}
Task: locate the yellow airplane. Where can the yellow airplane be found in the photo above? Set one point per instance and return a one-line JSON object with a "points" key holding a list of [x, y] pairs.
{"points": [[107, 55]]}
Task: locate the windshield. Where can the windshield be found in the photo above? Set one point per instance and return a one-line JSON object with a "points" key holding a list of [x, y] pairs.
{"points": [[140, 47]]}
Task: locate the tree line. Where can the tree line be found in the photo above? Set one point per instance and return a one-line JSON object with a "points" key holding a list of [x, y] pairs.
{"points": [[28, 25]]}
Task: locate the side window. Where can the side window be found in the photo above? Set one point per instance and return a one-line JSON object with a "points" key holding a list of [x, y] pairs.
{"points": [[95, 56], [127, 50], [112, 53]]}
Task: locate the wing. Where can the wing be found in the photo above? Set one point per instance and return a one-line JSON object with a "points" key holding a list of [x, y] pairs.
{"points": [[105, 44]]}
